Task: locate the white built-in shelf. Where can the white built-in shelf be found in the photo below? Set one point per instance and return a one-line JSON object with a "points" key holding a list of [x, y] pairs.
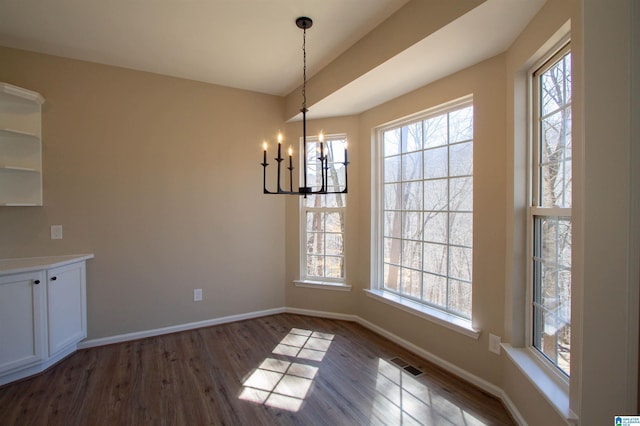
{"points": [[19, 134], [20, 93], [20, 146], [18, 169]]}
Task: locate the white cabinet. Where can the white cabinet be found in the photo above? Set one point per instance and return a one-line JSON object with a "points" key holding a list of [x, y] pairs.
{"points": [[42, 313], [20, 146], [66, 307], [22, 331]]}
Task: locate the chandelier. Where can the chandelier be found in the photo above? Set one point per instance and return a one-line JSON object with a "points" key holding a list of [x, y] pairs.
{"points": [[304, 23]]}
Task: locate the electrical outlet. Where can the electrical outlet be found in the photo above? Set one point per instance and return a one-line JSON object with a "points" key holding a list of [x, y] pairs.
{"points": [[56, 232], [197, 294], [494, 344]]}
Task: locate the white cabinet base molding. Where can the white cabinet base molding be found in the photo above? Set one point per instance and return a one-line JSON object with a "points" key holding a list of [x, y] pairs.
{"points": [[43, 314]]}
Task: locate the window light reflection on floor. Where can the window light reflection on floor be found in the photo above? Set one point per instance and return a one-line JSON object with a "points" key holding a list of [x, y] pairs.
{"points": [[403, 399], [285, 384]]}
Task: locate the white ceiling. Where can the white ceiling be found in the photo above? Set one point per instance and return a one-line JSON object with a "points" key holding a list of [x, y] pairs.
{"points": [[254, 44]]}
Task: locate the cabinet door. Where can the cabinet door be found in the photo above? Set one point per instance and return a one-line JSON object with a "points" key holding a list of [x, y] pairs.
{"points": [[22, 334], [66, 306]]}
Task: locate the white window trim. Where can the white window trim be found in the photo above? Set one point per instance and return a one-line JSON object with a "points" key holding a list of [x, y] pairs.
{"points": [[546, 378], [437, 316], [323, 283], [551, 371], [376, 291]]}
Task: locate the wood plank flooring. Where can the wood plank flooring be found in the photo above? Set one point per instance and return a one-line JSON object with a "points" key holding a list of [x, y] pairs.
{"points": [[277, 370]]}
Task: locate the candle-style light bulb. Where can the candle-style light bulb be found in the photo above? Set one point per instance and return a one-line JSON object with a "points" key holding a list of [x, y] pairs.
{"points": [[321, 137], [279, 144], [290, 151], [264, 152]]}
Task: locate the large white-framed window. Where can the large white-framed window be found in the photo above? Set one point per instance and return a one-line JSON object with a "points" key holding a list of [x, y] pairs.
{"points": [[423, 241], [550, 230], [323, 217]]}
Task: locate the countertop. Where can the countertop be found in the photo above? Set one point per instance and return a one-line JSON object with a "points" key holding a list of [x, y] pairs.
{"points": [[28, 264]]}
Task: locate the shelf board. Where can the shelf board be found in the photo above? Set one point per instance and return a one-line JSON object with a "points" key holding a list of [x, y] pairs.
{"points": [[19, 204], [19, 92], [19, 169], [19, 133]]}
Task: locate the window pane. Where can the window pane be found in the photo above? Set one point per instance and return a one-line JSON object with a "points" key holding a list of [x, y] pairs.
{"points": [[435, 258], [392, 277], [412, 254], [391, 142], [334, 222], [315, 266], [411, 282], [460, 263], [412, 166], [461, 125], [461, 229], [461, 161], [436, 194], [460, 297], [334, 244], [552, 337], [429, 215], [315, 222], [333, 267], [435, 131], [393, 196], [392, 250], [435, 290], [412, 195], [412, 137], [555, 240], [412, 225], [392, 169], [393, 224], [435, 163], [461, 194], [435, 228], [315, 242]]}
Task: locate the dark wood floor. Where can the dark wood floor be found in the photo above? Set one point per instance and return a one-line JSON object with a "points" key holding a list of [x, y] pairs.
{"points": [[277, 370]]}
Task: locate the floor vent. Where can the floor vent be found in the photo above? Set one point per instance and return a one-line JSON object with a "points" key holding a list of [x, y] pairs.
{"points": [[406, 366]]}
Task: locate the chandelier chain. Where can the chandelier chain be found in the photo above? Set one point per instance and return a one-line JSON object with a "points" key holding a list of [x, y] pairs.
{"points": [[304, 68]]}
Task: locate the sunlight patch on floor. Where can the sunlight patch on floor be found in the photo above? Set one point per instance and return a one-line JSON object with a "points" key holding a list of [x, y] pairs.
{"points": [[402, 399], [285, 384]]}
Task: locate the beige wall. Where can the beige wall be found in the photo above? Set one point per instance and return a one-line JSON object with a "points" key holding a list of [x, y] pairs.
{"points": [[160, 178]]}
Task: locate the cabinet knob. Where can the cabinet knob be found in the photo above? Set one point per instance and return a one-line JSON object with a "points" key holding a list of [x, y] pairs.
{"points": [[54, 278], [36, 281]]}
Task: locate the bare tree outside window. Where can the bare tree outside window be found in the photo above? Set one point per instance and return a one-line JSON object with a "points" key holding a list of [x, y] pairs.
{"points": [[427, 210], [551, 211]]}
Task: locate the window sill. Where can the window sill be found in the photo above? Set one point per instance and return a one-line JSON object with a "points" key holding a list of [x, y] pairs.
{"points": [[556, 394], [449, 321], [323, 285]]}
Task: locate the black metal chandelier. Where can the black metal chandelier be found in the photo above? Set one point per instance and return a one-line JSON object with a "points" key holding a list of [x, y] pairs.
{"points": [[304, 23]]}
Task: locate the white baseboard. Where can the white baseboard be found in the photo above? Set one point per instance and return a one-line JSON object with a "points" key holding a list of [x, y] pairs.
{"points": [[175, 328], [452, 368]]}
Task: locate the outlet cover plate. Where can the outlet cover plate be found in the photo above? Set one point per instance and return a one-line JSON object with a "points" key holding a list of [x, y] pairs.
{"points": [[197, 294], [494, 344], [56, 232]]}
